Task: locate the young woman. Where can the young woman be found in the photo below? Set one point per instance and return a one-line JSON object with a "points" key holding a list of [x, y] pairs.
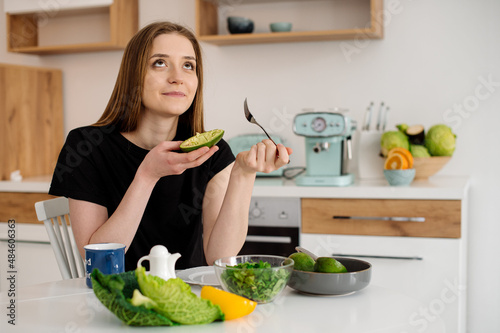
{"points": [[126, 180]]}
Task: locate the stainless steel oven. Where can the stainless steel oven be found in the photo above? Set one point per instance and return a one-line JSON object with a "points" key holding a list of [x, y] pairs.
{"points": [[273, 226]]}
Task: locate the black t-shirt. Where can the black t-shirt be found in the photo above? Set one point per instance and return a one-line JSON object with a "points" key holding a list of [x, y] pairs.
{"points": [[97, 164]]}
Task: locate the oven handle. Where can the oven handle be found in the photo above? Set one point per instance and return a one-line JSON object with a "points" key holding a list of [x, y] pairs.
{"points": [[269, 239], [378, 256]]}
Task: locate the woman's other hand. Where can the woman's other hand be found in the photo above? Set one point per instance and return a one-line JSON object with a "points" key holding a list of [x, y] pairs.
{"points": [[166, 159], [228, 195], [264, 157]]}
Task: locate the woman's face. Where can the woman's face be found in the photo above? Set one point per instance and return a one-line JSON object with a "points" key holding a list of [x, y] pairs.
{"points": [[171, 82]]}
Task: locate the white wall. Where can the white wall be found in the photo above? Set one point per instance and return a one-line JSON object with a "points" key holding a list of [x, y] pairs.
{"points": [[434, 57]]}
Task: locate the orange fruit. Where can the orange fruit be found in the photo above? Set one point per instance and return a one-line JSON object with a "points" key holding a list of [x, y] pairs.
{"points": [[405, 153], [396, 161]]}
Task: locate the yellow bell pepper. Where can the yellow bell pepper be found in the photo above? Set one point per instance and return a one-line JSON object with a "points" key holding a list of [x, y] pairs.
{"points": [[233, 306]]}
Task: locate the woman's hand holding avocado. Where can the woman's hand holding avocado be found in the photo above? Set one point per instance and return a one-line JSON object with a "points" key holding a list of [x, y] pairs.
{"points": [[166, 159]]}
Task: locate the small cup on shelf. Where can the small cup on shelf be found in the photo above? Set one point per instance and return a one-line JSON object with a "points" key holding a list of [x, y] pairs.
{"points": [[280, 26]]}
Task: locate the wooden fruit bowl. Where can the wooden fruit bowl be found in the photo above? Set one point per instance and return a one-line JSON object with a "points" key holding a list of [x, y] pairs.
{"points": [[428, 166]]}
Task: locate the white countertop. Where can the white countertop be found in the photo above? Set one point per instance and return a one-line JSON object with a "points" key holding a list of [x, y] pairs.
{"points": [[434, 188], [33, 185], [68, 305]]}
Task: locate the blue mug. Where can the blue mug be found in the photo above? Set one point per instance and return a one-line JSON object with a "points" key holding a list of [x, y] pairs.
{"points": [[109, 258]]}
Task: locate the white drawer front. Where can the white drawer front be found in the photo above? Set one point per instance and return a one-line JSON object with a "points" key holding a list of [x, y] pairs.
{"points": [[428, 269]]}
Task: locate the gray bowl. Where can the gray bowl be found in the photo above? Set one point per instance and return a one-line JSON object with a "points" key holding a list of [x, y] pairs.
{"points": [[357, 277]]}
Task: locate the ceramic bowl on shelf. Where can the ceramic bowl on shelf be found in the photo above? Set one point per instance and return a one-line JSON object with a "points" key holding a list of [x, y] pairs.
{"points": [[399, 177], [280, 26], [258, 283], [356, 278], [239, 25]]}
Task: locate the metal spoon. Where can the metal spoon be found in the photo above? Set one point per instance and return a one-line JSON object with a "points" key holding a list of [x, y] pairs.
{"points": [[301, 249], [252, 120]]}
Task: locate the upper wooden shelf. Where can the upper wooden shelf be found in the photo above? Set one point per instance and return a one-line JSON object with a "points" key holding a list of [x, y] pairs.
{"points": [[207, 21], [67, 49], [23, 29], [292, 36]]}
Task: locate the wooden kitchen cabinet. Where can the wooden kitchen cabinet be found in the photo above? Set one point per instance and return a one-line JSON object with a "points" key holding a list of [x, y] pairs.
{"points": [[24, 26], [31, 120], [20, 206], [382, 217], [207, 25]]}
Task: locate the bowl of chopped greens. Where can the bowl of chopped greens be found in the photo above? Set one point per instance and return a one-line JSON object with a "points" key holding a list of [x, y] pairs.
{"points": [[260, 278]]}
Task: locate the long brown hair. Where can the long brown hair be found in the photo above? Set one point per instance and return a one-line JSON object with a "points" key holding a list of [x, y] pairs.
{"points": [[125, 104]]}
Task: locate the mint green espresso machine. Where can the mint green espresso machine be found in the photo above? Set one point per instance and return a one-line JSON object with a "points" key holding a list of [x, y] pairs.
{"points": [[328, 148]]}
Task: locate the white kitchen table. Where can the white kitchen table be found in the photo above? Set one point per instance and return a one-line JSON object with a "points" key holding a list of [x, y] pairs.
{"points": [[69, 306]]}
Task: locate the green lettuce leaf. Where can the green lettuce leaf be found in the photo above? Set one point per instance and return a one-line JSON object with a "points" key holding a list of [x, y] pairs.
{"points": [[114, 290], [175, 300]]}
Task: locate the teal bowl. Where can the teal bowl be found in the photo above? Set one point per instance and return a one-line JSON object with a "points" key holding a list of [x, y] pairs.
{"points": [[402, 177], [280, 26]]}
